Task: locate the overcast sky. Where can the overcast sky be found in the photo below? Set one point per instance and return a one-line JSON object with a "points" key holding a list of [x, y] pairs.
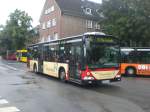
{"points": [[32, 7]]}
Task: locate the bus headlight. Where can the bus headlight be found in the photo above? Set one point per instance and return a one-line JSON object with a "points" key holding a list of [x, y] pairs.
{"points": [[88, 73], [118, 76]]}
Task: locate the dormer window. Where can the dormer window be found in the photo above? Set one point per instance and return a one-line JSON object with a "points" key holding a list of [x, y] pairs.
{"points": [[88, 11], [49, 10]]}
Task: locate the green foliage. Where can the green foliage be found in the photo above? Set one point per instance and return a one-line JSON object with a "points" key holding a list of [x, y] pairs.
{"points": [[127, 19], [17, 32]]}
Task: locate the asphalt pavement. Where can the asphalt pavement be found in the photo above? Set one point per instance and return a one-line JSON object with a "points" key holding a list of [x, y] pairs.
{"points": [[29, 92]]}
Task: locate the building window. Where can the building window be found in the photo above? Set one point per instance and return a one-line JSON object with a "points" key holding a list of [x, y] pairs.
{"points": [[52, 8], [49, 38], [54, 22], [49, 24], [55, 36], [97, 26], [88, 11], [45, 39], [89, 24], [42, 39], [49, 10], [46, 11], [43, 26]]}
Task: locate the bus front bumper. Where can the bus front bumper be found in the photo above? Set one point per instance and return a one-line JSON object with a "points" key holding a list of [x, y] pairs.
{"points": [[101, 81]]}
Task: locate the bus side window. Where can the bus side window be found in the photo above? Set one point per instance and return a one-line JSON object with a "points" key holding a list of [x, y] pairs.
{"points": [[53, 53], [67, 53], [35, 53], [75, 54], [72, 54], [144, 57], [49, 54], [46, 57], [78, 54], [61, 54], [51, 58]]}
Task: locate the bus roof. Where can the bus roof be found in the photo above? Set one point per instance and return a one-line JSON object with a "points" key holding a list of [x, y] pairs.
{"points": [[127, 49], [135, 48], [72, 37], [143, 49], [94, 33], [23, 50]]}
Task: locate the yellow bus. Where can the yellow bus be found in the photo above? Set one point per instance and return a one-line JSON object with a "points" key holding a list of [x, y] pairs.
{"points": [[85, 59], [21, 55]]}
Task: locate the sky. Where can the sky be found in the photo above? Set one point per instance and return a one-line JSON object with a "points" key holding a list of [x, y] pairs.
{"points": [[32, 7]]}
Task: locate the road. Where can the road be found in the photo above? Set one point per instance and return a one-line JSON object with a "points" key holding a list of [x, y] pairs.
{"points": [[21, 90]]}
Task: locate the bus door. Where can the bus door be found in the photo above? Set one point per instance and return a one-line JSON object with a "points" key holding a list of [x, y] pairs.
{"points": [[40, 59], [75, 62]]}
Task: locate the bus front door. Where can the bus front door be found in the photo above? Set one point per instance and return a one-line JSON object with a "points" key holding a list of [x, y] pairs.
{"points": [[40, 59], [74, 63]]}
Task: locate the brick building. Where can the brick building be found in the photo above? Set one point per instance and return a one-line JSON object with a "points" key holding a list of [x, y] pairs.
{"points": [[64, 18]]}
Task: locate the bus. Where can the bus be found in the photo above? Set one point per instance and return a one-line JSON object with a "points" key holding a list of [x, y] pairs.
{"points": [[21, 55], [84, 59], [135, 61], [9, 55]]}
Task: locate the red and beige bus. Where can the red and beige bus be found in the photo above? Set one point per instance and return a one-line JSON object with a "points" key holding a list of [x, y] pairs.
{"points": [[135, 61], [88, 58]]}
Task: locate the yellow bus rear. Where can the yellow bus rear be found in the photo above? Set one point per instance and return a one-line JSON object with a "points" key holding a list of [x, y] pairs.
{"points": [[22, 55]]}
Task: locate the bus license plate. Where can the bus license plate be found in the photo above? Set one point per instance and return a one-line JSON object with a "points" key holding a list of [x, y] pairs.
{"points": [[106, 81]]}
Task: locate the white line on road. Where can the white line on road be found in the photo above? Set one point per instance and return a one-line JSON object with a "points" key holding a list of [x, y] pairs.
{"points": [[13, 68], [10, 67], [14, 63], [3, 68], [9, 109], [3, 101]]}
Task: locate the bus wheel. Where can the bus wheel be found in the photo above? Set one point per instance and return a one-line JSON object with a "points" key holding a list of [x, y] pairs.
{"points": [[62, 75], [35, 69], [130, 71]]}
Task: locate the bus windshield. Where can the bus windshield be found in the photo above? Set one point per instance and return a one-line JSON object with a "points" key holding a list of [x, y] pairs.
{"points": [[102, 55], [24, 54]]}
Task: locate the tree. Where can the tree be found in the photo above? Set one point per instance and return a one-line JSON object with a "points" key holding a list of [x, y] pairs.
{"points": [[127, 19], [17, 30]]}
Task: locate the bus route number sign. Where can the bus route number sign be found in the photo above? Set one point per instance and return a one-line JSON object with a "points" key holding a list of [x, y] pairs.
{"points": [[143, 67], [102, 40]]}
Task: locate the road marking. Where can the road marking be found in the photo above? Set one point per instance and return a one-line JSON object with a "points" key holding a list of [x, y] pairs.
{"points": [[3, 68], [3, 101], [4, 108], [10, 67], [13, 68], [12, 63], [9, 109]]}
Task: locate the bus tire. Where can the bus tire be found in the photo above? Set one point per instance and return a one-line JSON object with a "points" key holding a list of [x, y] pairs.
{"points": [[130, 71], [62, 75], [35, 69]]}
